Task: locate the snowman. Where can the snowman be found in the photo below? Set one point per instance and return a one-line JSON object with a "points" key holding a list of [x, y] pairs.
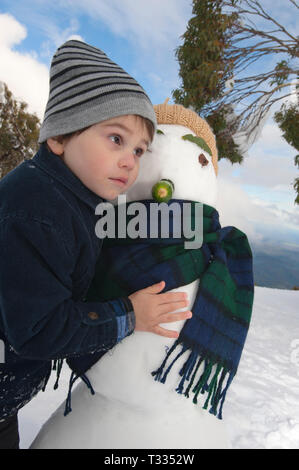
{"points": [[130, 409]]}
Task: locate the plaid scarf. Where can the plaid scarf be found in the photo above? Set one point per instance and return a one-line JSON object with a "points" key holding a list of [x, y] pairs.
{"points": [[214, 337]]}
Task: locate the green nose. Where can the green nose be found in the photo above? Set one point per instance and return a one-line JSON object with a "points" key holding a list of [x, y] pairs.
{"points": [[163, 190]]}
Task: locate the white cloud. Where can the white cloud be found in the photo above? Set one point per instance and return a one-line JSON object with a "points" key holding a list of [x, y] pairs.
{"points": [[11, 31], [271, 137], [270, 162], [237, 209], [75, 36], [24, 75], [252, 214], [55, 34]]}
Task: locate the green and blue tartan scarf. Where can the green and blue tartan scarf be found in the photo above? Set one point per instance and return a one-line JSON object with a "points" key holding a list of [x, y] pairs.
{"points": [[215, 335]]}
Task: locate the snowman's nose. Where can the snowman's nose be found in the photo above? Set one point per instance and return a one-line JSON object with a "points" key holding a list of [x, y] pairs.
{"points": [[162, 191]]}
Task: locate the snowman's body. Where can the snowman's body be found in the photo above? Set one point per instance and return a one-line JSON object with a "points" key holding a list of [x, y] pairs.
{"points": [[130, 409]]}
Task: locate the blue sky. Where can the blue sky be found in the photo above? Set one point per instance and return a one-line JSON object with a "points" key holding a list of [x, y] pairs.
{"points": [[142, 36]]}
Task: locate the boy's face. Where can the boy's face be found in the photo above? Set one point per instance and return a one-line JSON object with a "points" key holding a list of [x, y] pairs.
{"points": [[105, 157]]}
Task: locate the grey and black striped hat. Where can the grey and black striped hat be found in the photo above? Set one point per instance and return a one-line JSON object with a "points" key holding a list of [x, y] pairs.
{"points": [[86, 87]]}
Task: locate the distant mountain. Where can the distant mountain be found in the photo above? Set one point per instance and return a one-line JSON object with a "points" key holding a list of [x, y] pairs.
{"points": [[275, 266]]}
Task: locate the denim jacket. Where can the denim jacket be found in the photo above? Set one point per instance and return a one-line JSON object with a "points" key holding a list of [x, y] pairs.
{"points": [[48, 253]]}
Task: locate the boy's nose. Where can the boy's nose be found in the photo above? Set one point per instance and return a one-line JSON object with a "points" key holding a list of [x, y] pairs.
{"points": [[127, 161]]}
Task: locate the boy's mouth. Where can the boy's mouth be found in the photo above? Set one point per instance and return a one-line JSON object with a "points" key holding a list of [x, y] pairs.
{"points": [[120, 181]]}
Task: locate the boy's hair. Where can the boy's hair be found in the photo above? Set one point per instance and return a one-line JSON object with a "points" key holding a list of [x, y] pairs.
{"points": [[86, 87], [146, 122]]}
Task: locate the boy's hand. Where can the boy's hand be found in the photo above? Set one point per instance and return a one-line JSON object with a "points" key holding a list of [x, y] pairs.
{"points": [[152, 309]]}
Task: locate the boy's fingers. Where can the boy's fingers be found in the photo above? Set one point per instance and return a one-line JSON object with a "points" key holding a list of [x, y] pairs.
{"points": [[163, 332], [173, 317], [167, 308], [155, 288], [170, 297]]}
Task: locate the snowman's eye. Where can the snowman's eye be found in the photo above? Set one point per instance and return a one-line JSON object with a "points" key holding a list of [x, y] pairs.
{"points": [[203, 160]]}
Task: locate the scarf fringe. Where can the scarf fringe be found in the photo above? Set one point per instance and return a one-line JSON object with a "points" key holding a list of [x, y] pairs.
{"points": [[57, 365], [211, 381], [73, 378]]}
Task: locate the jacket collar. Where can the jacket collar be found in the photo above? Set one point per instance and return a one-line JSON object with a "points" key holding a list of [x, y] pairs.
{"points": [[55, 167]]}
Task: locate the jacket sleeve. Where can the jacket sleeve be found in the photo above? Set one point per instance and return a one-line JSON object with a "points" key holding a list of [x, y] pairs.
{"points": [[40, 319]]}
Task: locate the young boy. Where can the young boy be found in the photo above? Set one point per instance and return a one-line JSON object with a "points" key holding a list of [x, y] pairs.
{"points": [[98, 123]]}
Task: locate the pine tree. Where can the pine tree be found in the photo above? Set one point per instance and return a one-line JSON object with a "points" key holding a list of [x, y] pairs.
{"points": [[205, 69], [19, 131]]}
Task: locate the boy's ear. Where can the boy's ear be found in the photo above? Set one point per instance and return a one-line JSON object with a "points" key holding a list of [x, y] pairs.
{"points": [[55, 146]]}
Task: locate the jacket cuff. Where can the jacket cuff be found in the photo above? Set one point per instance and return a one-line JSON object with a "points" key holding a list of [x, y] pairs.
{"points": [[125, 323]]}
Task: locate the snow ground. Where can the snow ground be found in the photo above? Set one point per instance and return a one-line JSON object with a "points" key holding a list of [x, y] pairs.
{"points": [[262, 406]]}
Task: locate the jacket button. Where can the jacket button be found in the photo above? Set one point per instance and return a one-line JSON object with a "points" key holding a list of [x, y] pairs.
{"points": [[93, 315]]}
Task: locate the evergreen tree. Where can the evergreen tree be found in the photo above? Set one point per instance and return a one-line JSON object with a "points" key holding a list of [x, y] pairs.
{"points": [[205, 69], [19, 132]]}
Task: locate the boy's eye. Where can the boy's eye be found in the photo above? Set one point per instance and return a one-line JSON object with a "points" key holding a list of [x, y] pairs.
{"points": [[116, 139], [139, 152]]}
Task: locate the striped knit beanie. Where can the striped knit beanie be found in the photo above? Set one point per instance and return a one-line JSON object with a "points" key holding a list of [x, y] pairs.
{"points": [[86, 87], [177, 114]]}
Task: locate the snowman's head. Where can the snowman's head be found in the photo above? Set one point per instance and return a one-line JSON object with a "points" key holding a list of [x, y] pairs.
{"points": [[183, 151]]}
